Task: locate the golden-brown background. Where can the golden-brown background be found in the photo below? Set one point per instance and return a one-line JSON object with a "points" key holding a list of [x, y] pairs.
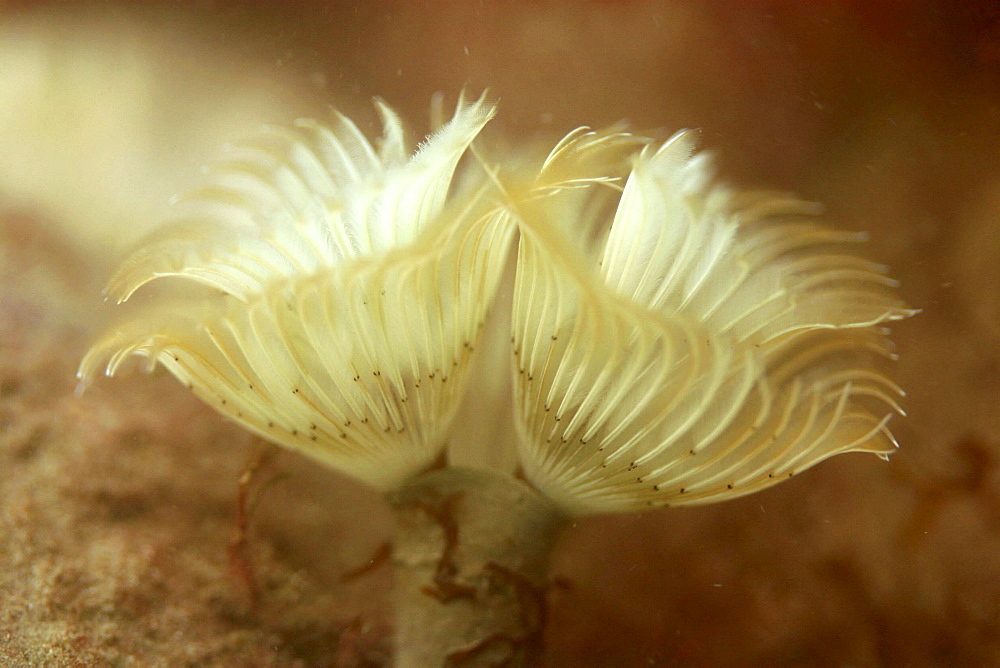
{"points": [[117, 508]]}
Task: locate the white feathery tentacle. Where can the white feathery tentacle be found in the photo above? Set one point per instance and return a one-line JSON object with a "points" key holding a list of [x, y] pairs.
{"points": [[674, 341], [713, 343], [291, 202], [354, 287]]}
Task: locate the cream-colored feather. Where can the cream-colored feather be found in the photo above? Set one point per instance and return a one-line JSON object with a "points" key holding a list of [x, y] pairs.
{"points": [[675, 342], [353, 291], [708, 345]]}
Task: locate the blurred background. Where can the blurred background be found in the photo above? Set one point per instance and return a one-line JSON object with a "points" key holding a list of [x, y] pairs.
{"points": [[118, 511]]}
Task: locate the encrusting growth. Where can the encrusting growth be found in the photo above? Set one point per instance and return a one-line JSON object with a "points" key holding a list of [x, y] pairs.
{"points": [[673, 341]]}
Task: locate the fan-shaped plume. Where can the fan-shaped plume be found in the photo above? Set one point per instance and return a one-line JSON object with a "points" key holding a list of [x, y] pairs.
{"points": [[674, 342], [353, 283], [703, 345]]}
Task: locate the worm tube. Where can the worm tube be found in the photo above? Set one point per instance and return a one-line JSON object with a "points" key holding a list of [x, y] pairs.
{"points": [[470, 566]]}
